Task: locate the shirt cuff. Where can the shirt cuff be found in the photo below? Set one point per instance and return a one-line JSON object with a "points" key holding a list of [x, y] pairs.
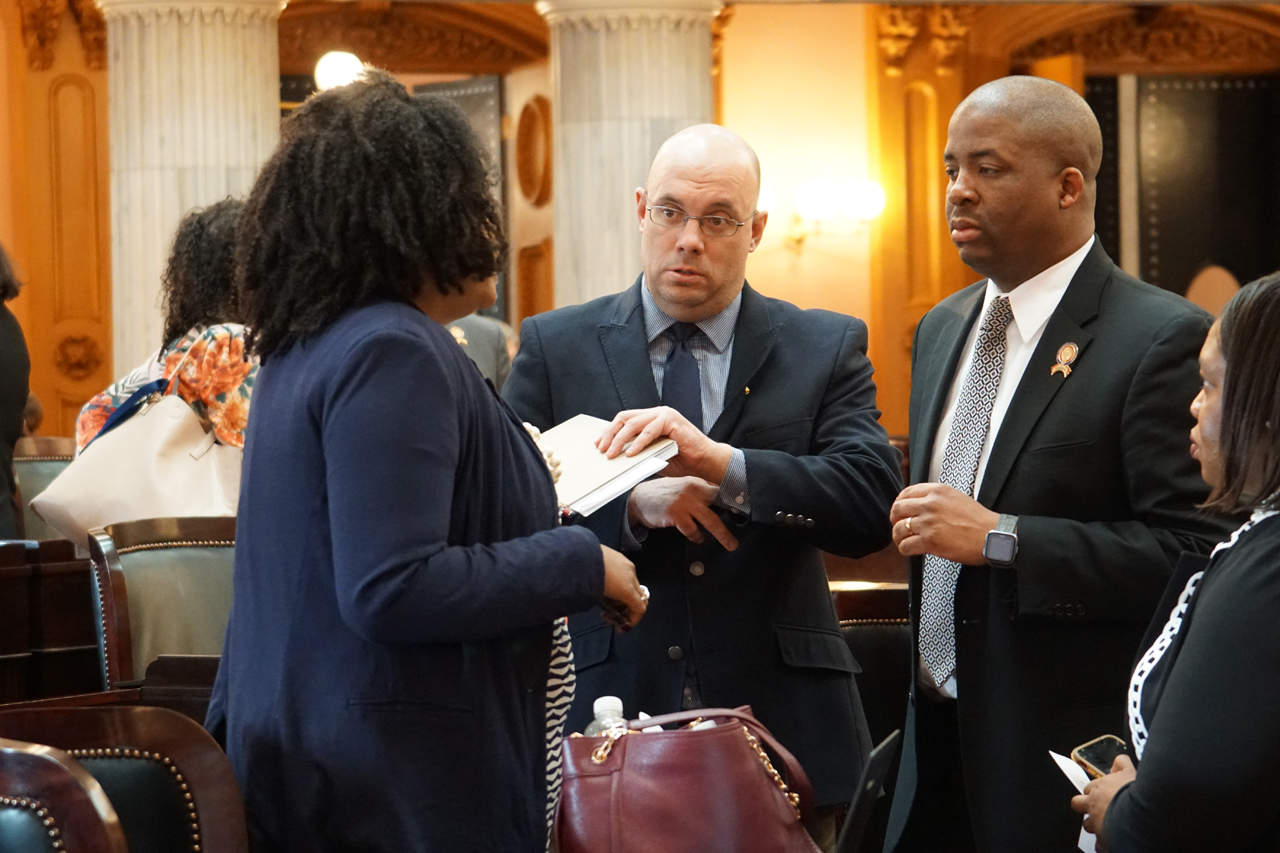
{"points": [[734, 494]]}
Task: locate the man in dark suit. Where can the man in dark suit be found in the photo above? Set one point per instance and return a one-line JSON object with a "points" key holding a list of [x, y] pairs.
{"points": [[1052, 487], [773, 409]]}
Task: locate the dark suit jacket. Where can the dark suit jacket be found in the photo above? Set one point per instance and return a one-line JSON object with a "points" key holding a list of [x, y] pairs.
{"points": [[800, 403], [15, 369], [383, 682], [485, 344], [1096, 466]]}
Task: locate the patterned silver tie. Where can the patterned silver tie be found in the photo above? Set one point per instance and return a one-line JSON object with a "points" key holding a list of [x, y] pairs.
{"points": [[968, 434]]}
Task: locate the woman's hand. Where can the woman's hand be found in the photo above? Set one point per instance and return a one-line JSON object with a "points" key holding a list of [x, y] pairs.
{"points": [[625, 600], [1099, 793]]}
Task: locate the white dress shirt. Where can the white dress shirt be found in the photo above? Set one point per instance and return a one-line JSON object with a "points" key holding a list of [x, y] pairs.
{"points": [[1032, 303]]}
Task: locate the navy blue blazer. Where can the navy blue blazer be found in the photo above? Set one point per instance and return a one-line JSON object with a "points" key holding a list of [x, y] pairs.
{"points": [[398, 569], [758, 621]]}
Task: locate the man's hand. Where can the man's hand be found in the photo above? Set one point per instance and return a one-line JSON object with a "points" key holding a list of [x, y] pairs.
{"points": [[699, 456], [1099, 793], [682, 503], [930, 518]]}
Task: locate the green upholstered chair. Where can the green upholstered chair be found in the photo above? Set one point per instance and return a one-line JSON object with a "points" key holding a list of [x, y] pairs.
{"points": [[167, 779], [49, 804], [161, 586], [37, 460]]}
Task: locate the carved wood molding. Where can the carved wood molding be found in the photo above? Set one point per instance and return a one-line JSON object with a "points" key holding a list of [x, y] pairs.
{"points": [[1166, 37], [411, 37], [40, 22], [718, 26], [93, 33], [900, 25], [78, 357]]}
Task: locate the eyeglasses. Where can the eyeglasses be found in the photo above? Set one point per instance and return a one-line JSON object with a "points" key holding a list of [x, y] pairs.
{"points": [[714, 225]]}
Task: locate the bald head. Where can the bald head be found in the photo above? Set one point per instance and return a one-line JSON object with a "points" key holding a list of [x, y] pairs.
{"points": [[703, 148], [1049, 115]]}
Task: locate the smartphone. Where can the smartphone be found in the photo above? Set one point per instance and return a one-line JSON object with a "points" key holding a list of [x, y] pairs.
{"points": [[1096, 755]]}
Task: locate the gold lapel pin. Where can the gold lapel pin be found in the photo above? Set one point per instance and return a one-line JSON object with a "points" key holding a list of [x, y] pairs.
{"points": [[746, 390], [1066, 355]]}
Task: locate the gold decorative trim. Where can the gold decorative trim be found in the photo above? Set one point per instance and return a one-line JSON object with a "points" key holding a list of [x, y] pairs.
{"points": [[93, 33], [188, 799], [40, 22], [949, 26], [38, 809], [1159, 35], [533, 151], [78, 357], [413, 37], [898, 26], [718, 26]]}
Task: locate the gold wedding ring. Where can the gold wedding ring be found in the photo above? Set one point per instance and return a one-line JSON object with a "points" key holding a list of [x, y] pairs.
{"points": [[910, 532]]}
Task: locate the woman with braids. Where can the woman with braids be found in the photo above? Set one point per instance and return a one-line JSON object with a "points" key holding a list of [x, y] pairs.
{"points": [[1204, 694], [203, 339], [15, 371], [400, 579]]}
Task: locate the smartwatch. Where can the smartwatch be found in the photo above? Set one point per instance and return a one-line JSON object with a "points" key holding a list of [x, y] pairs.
{"points": [[1001, 547]]}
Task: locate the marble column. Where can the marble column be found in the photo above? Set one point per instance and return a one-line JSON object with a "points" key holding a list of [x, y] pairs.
{"points": [[193, 111], [625, 76]]}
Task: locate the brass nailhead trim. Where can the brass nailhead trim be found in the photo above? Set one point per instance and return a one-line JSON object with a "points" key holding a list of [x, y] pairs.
{"points": [[37, 808], [106, 658], [119, 752], [157, 546], [43, 458], [847, 622]]}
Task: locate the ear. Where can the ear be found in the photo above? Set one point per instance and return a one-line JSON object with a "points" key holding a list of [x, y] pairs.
{"points": [[640, 211], [1071, 186], [757, 228]]}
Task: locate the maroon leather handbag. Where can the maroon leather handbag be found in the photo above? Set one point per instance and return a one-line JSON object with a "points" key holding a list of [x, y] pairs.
{"points": [[683, 791]]}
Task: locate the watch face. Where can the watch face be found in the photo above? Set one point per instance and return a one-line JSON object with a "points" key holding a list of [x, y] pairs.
{"points": [[1001, 547]]}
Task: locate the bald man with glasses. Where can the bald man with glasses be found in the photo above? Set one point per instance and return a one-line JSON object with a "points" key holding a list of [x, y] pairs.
{"points": [[781, 456]]}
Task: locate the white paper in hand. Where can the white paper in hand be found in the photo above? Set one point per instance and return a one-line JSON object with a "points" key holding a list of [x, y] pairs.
{"points": [[1074, 772], [589, 480]]}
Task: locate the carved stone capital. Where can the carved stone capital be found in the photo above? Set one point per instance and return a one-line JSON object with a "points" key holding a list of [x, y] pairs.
{"points": [[1166, 36], [949, 27], [898, 27], [632, 14], [229, 11], [40, 22]]}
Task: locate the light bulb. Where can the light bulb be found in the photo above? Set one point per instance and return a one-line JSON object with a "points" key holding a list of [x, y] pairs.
{"points": [[337, 68]]}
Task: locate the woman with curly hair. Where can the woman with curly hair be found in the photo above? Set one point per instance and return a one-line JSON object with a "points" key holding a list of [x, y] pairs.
{"points": [[203, 338], [400, 578], [15, 372]]}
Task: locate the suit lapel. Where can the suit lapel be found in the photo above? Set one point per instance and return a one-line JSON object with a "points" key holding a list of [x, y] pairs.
{"points": [[753, 339], [938, 371], [1038, 387], [626, 350]]}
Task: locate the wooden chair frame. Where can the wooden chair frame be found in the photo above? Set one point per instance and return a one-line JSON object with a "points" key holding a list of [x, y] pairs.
{"points": [[62, 794], [183, 746], [112, 600]]}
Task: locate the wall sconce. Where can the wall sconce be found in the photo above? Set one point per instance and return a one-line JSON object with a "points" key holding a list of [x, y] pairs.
{"points": [[337, 68], [816, 202]]}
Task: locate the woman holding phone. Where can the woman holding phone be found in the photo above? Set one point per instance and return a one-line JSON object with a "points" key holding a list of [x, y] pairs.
{"points": [[1204, 696]]}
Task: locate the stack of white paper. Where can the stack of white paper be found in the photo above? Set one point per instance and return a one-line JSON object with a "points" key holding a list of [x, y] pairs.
{"points": [[589, 479]]}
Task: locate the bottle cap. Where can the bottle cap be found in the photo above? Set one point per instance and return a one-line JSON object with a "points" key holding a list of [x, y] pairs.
{"points": [[611, 705]]}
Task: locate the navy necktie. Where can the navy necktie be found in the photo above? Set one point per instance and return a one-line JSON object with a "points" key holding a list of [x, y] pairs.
{"points": [[681, 387]]}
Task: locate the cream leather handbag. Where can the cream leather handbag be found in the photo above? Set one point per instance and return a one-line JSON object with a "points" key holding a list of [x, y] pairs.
{"points": [[154, 461]]}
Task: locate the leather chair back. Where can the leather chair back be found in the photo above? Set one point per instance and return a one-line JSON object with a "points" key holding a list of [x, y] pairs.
{"points": [[161, 586], [49, 803], [37, 460], [166, 778]]}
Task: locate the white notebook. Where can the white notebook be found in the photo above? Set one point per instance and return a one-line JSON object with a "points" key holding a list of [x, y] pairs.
{"points": [[588, 479]]}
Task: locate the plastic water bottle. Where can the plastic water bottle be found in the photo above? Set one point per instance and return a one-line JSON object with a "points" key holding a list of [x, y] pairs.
{"points": [[608, 711]]}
